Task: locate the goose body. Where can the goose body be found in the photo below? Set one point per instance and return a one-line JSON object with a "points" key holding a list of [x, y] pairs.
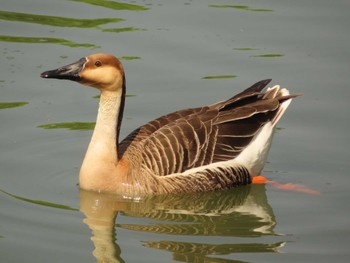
{"points": [[192, 150]]}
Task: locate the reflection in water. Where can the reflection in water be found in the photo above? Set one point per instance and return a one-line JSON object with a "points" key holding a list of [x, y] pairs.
{"points": [[240, 212], [196, 252]]}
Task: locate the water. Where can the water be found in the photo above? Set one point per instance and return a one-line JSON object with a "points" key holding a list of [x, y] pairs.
{"points": [[177, 54]]}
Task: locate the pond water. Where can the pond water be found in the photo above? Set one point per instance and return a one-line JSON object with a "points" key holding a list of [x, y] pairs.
{"points": [[177, 54]]}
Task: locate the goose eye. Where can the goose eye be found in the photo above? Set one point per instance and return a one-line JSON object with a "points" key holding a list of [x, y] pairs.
{"points": [[98, 63]]}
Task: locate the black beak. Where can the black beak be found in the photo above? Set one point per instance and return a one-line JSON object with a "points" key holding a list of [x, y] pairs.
{"points": [[71, 71]]}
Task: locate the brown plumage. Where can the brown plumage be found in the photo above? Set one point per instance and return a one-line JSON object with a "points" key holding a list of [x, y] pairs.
{"points": [[206, 148]]}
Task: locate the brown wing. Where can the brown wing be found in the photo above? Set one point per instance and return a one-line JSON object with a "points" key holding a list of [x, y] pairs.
{"points": [[146, 130], [195, 137]]}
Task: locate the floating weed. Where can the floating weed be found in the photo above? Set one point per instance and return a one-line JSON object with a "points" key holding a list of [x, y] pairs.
{"points": [[69, 125], [268, 56], [6, 105], [44, 40], [242, 7], [279, 129], [220, 77], [56, 20], [129, 58], [245, 49], [113, 5], [40, 202], [123, 29]]}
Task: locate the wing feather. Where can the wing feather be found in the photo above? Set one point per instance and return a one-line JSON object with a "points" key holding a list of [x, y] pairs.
{"points": [[196, 137]]}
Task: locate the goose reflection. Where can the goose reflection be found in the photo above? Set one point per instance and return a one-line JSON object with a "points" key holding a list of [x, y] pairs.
{"points": [[241, 212]]}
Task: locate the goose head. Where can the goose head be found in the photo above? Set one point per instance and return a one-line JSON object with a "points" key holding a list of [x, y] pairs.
{"points": [[101, 71]]}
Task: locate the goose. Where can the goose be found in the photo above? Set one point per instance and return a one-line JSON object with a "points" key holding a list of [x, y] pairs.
{"points": [[207, 148]]}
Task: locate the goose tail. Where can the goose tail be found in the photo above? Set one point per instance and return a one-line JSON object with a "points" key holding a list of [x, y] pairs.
{"points": [[254, 156], [284, 98]]}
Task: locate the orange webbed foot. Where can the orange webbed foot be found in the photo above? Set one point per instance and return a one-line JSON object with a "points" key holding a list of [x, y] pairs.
{"points": [[259, 179], [288, 186]]}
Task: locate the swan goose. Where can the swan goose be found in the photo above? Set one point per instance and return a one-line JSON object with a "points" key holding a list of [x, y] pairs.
{"points": [[192, 150]]}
